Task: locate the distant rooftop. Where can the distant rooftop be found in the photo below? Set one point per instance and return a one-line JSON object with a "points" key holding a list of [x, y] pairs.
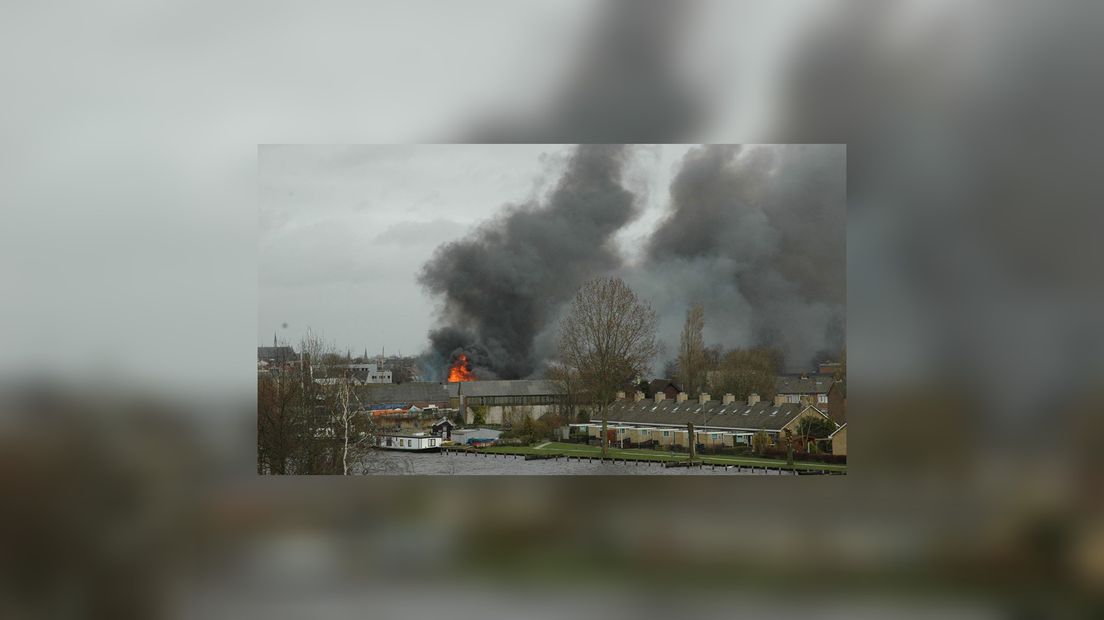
{"points": [[803, 384], [517, 387], [739, 415], [273, 353]]}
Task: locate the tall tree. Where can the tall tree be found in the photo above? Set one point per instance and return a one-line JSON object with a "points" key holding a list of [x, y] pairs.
{"points": [[607, 339], [281, 425], [568, 384], [743, 371], [306, 415], [691, 359]]}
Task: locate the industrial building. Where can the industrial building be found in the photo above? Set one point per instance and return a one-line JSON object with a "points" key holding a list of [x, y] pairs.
{"points": [[504, 400], [369, 373], [423, 395], [496, 401]]}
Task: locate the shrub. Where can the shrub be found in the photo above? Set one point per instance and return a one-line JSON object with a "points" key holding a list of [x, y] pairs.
{"points": [[815, 427], [761, 442], [780, 453]]}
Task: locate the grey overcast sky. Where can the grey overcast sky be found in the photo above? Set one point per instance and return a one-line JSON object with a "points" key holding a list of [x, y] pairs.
{"points": [[344, 230]]}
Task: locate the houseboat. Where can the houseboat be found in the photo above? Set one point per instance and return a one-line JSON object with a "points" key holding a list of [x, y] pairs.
{"points": [[409, 442]]}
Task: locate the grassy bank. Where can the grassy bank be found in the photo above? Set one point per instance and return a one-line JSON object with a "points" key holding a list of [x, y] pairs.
{"points": [[576, 449]]}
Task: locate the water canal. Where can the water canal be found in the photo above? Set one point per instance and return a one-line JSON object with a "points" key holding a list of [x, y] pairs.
{"points": [[398, 463]]}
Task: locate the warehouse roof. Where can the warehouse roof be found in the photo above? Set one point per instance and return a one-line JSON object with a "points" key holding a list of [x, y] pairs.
{"points": [[738, 415], [414, 392], [431, 392], [519, 387]]}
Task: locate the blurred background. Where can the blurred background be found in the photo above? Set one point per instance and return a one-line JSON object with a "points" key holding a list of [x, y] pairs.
{"points": [[128, 258]]}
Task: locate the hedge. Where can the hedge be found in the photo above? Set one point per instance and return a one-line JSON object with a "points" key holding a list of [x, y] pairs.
{"points": [[780, 453]]}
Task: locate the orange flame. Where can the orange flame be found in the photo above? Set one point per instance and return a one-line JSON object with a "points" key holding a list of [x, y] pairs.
{"points": [[461, 370]]}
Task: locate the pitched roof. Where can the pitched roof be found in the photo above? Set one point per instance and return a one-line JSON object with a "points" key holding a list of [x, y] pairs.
{"points": [[658, 385], [738, 415], [519, 387], [803, 384], [271, 353]]}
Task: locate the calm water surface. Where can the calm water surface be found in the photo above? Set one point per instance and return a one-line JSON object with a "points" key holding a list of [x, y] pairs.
{"points": [[396, 463]]}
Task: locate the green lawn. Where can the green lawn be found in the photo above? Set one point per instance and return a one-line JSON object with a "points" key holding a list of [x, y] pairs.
{"points": [[577, 449]]}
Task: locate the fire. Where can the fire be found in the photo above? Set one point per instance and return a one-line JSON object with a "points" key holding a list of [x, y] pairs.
{"points": [[461, 369]]}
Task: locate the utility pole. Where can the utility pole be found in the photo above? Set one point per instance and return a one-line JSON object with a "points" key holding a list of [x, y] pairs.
{"points": [[605, 438], [693, 440]]}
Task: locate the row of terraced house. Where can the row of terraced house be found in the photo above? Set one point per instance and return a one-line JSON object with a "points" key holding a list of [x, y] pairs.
{"points": [[724, 423]]}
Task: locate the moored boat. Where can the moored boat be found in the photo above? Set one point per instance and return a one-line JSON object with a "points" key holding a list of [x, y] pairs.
{"points": [[409, 442]]}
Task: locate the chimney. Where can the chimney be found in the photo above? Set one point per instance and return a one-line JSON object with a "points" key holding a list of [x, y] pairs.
{"points": [[704, 398], [779, 400], [753, 398], [728, 399], [681, 398], [659, 396], [620, 396], [638, 396]]}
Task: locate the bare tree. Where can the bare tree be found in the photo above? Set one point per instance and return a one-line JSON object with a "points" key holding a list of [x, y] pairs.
{"points": [[343, 398], [307, 415], [607, 339], [570, 391], [280, 423], [691, 358], [743, 371], [670, 372]]}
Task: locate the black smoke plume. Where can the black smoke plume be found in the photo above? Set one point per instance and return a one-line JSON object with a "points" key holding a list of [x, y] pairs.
{"points": [[758, 235], [446, 345], [503, 285], [627, 84]]}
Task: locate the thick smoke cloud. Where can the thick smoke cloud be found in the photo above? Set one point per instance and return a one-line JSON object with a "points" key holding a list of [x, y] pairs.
{"points": [[503, 285], [446, 345], [627, 83], [758, 235]]}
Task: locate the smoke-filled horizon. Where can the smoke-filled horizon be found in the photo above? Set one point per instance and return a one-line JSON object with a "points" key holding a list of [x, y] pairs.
{"points": [[756, 234], [501, 285]]}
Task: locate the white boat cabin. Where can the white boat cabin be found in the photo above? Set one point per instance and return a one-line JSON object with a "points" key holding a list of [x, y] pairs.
{"points": [[414, 442]]}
